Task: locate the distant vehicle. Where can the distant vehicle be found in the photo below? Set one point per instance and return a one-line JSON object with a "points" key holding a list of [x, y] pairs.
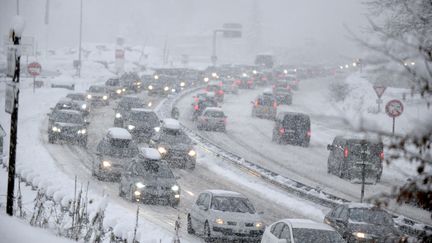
{"points": [[148, 179], [112, 152], [115, 88], [244, 81], [212, 118], [162, 85], [282, 92], [292, 127], [264, 60], [131, 81], [67, 125], [174, 145], [124, 106], [216, 88], [201, 104], [265, 106], [300, 231], [68, 104], [142, 124], [97, 94], [219, 214], [80, 99], [358, 222], [229, 86], [346, 158]]}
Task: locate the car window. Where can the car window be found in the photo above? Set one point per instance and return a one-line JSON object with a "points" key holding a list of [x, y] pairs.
{"points": [[285, 234], [206, 201], [344, 214], [232, 204], [97, 89], [200, 199], [68, 118], [337, 212], [277, 230], [314, 235], [371, 216], [171, 136], [215, 114], [149, 118], [153, 168]]}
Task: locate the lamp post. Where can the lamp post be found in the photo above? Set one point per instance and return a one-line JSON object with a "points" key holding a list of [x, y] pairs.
{"points": [[80, 40]]}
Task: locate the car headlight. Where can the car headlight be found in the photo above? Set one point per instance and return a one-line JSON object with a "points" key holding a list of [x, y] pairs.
{"points": [[150, 87], [137, 193], [105, 97], [118, 91], [139, 185], [175, 188], [192, 153], [106, 164], [82, 131], [56, 129], [173, 90], [131, 127], [162, 150], [84, 106], [254, 71], [359, 235], [219, 221], [182, 84], [89, 96], [118, 115], [149, 104], [156, 77], [124, 90], [214, 75], [258, 224], [138, 83], [166, 88], [157, 129], [206, 79]]}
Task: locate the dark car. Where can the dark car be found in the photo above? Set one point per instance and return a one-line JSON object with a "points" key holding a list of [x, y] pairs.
{"points": [[292, 127], [348, 155], [202, 103], [112, 152], [161, 85], [282, 92], [81, 100], [174, 145], [148, 179], [363, 223], [142, 123], [131, 81], [115, 87], [216, 89], [67, 125], [97, 94], [244, 81], [123, 108], [68, 104], [265, 106]]}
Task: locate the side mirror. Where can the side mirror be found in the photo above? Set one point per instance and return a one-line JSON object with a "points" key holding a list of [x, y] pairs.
{"points": [[329, 147]]}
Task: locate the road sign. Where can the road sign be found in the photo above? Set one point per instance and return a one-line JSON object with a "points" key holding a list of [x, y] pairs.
{"points": [[11, 93], [34, 69], [11, 61], [394, 108], [379, 90]]}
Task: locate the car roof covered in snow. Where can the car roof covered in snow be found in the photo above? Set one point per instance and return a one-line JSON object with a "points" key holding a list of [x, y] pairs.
{"points": [[119, 133], [150, 153], [306, 224], [171, 124], [224, 193], [213, 109], [268, 92], [141, 110]]}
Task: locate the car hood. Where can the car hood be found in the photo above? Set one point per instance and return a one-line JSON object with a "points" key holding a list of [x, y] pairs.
{"points": [[373, 229], [236, 217], [140, 124], [97, 94], [64, 124], [114, 160], [156, 181], [177, 146]]}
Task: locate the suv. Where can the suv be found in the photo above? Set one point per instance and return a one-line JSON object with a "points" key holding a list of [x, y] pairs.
{"points": [[67, 125], [80, 99], [212, 118], [112, 150], [147, 178], [359, 222], [174, 145], [300, 230], [282, 92], [97, 94], [115, 88], [142, 123], [292, 127], [347, 155], [219, 214], [201, 104], [265, 106], [123, 108]]}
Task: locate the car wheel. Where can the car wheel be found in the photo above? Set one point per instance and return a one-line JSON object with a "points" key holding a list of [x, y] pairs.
{"points": [[190, 229], [83, 142], [121, 192], [51, 139], [207, 234]]}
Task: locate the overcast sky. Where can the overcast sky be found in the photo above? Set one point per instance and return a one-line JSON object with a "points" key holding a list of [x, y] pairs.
{"points": [[315, 26]]}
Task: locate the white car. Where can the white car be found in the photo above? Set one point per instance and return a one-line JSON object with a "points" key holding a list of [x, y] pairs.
{"points": [[219, 214], [300, 230]]}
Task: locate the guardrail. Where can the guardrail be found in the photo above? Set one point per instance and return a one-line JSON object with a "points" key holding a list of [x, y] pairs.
{"points": [[406, 225]]}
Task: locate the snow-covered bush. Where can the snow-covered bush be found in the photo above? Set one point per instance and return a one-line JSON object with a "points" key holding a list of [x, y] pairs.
{"points": [[338, 91]]}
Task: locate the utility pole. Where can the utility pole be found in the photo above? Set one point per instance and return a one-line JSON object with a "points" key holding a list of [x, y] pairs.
{"points": [[16, 38], [80, 40], [364, 154]]}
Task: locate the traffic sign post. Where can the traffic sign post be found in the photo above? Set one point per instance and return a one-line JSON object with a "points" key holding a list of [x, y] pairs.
{"points": [[379, 90], [394, 108], [34, 69]]}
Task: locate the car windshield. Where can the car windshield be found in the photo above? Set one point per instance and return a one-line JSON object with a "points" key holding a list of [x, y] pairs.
{"points": [[76, 97], [68, 118], [97, 89], [215, 114], [265, 101], [213, 88], [129, 104], [232, 204], [315, 235], [370, 216], [153, 168], [149, 119], [67, 106], [372, 151], [119, 148], [113, 82], [173, 136]]}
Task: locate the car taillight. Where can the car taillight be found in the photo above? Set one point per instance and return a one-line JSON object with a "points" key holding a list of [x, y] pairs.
{"points": [[220, 84], [309, 133], [274, 105], [238, 82], [282, 130], [381, 155], [225, 120], [221, 92], [256, 103], [196, 99], [346, 152], [196, 107], [250, 81]]}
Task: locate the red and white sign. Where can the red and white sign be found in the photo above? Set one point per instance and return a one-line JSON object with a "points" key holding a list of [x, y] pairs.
{"points": [[394, 108], [119, 54], [379, 90], [34, 69]]}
